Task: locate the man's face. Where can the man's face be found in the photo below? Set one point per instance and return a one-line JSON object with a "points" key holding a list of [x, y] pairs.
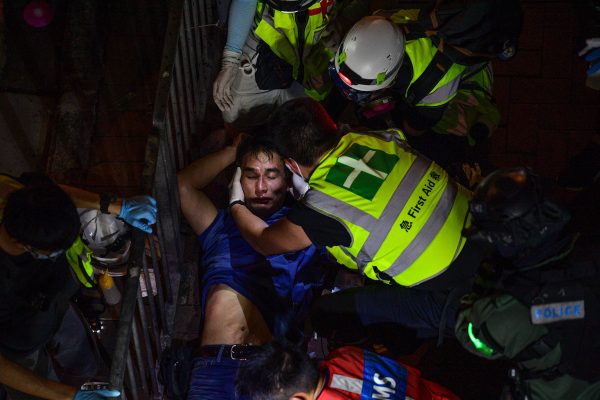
{"points": [[263, 182]]}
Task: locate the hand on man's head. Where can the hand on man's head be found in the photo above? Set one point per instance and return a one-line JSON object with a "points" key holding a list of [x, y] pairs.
{"points": [[236, 193]]}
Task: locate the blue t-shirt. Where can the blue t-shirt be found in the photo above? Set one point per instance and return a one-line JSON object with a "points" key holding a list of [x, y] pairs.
{"points": [[281, 286]]}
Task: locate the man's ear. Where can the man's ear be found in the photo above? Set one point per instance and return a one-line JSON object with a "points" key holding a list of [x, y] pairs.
{"points": [[291, 165]]}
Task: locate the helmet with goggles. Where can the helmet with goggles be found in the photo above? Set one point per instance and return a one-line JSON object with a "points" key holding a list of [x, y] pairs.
{"points": [[368, 58], [106, 235]]}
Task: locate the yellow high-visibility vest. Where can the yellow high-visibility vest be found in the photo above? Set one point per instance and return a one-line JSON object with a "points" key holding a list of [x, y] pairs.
{"points": [[403, 213], [280, 32], [420, 52], [78, 255]]}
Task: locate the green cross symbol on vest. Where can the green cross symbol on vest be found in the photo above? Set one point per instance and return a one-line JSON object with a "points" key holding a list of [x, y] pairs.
{"points": [[362, 170]]}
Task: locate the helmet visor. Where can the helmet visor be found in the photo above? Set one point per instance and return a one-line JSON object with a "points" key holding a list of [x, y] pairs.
{"points": [[357, 96]]}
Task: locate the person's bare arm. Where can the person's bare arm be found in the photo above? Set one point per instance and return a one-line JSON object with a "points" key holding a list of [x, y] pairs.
{"points": [[281, 237], [197, 208], [21, 379], [138, 211], [85, 199]]}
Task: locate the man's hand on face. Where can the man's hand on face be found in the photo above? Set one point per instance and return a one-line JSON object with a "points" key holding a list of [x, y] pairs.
{"points": [[236, 194]]}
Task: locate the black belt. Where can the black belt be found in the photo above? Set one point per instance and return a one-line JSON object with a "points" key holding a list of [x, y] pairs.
{"points": [[231, 351]]}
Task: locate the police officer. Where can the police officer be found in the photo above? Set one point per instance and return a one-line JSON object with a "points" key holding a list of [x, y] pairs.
{"points": [[544, 310]]}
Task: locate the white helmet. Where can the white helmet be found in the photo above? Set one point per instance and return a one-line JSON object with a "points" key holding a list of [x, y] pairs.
{"points": [[370, 56], [106, 236]]}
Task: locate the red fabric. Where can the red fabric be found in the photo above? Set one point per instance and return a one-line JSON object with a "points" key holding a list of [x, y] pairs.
{"points": [[324, 9], [349, 362]]}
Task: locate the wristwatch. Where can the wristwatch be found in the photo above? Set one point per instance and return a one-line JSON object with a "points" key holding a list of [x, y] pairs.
{"points": [[105, 200]]}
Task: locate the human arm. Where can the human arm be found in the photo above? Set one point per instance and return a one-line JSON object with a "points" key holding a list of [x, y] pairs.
{"points": [[281, 237], [419, 119], [241, 16], [138, 211], [197, 208], [23, 380]]}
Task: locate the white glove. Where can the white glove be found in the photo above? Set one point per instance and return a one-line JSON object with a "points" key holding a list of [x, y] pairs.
{"points": [[236, 194], [299, 185], [331, 37], [592, 54], [222, 87], [590, 44]]}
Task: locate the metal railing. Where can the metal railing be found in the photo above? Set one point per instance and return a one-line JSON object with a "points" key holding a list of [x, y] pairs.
{"points": [[190, 54]]}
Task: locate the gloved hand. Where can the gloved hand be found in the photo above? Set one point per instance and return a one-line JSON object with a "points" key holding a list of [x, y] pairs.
{"points": [[236, 194], [139, 212], [317, 82], [230, 63], [100, 394], [332, 36], [592, 54], [299, 185]]}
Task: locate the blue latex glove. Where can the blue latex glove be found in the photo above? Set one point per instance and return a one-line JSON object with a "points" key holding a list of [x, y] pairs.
{"points": [[139, 212], [592, 54], [100, 394]]}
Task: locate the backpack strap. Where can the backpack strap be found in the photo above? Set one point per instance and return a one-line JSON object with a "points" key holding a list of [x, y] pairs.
{"points": [[539, 348], [437, 68]]}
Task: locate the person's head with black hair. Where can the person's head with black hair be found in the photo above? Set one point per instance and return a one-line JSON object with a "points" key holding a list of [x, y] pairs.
{"points": [[264, 176], [278, 371], [303, 131], [42, 218]]}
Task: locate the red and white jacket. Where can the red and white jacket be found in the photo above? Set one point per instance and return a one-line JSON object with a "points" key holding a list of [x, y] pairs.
{"points": [[357, 374]]}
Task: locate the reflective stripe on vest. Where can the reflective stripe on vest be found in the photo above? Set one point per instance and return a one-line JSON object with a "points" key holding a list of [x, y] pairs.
{"points": [[383, 239], [280, 32], [80, 260], [78, 255], [420, 52]]}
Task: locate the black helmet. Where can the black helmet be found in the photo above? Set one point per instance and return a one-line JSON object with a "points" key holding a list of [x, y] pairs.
{"points": [[291, 6], [510, 212]]}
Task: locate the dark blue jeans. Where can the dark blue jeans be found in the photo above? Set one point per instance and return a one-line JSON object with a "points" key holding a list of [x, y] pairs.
{"points": [[214, 378]]}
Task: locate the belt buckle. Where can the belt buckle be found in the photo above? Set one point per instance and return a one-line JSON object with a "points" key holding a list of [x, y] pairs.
{"points": [[231, 352]]}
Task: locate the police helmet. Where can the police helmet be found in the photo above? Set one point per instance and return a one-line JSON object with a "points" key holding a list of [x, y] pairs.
{"points": [[510, 211]]}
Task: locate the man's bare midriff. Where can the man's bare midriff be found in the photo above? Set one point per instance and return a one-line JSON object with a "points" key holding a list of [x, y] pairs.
{"points": [[231, 318]]}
